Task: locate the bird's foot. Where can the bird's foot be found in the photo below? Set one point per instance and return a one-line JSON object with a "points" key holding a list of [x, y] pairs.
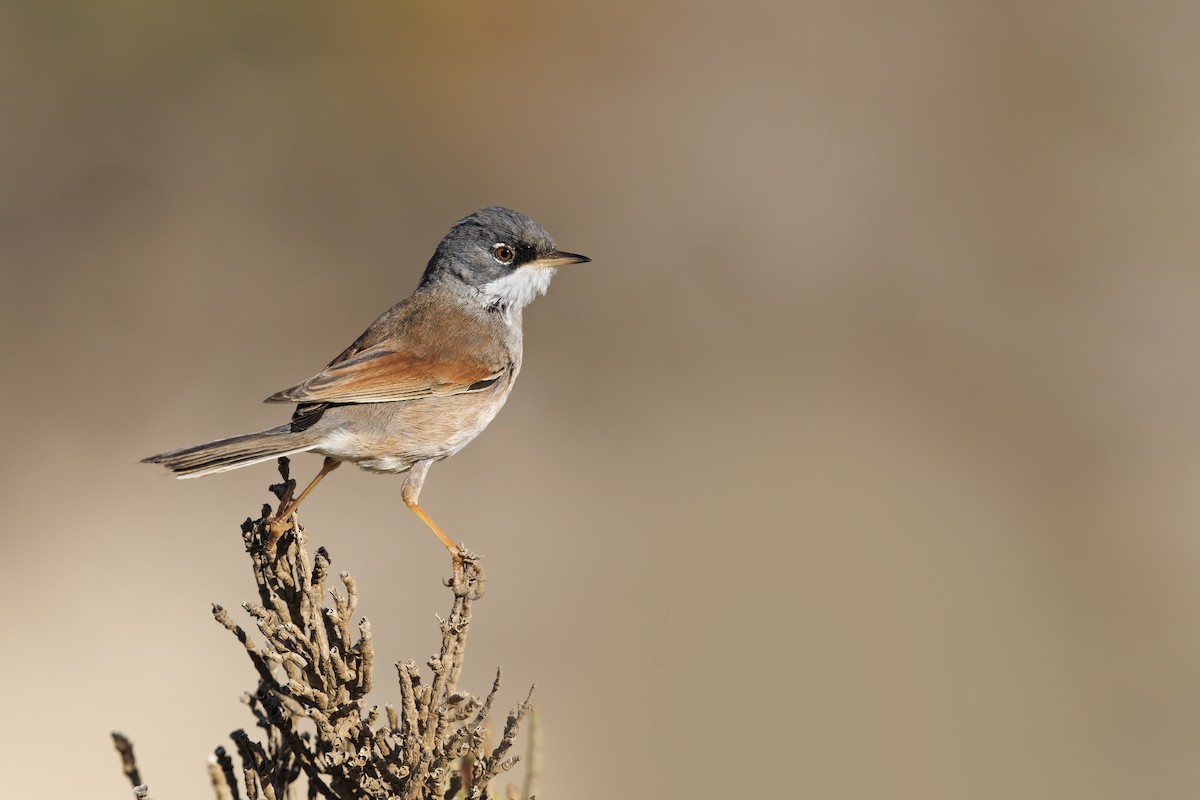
{"points": [[282, 520], [279, 523], [466, 574]]}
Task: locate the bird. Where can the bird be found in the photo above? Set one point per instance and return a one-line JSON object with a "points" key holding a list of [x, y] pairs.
{"points": [[423, 379]]}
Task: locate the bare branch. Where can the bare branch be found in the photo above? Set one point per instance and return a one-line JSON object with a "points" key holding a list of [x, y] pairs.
{"points": [[128, 760], [317, 735]]}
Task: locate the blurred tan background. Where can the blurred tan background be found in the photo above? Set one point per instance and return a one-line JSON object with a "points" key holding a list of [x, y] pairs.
{"points": [[861, 463]]}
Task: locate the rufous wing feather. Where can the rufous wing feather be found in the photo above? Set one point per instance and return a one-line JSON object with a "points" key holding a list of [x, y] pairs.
{"points": [[380, 374]]}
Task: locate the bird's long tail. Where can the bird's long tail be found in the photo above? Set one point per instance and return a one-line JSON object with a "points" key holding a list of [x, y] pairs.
{"points": [[237, 451]]}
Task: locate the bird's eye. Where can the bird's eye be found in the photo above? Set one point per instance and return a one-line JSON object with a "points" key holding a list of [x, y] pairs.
{"points": [[504, 253]]}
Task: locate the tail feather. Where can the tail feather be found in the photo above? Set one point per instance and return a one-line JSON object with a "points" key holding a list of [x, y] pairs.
{"points": [[235, 452]]}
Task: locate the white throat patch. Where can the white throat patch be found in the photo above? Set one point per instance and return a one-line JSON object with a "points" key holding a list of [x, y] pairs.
{"points": [[517, 289]]}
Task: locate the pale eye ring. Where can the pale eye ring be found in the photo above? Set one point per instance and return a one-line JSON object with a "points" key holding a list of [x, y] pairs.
{"points": [[504, 253]]}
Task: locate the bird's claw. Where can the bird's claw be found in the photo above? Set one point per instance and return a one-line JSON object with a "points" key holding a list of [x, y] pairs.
{"points": [[466, 574]]}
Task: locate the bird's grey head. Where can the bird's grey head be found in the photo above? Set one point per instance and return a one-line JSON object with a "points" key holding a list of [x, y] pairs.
{"points": [[503, 256]]}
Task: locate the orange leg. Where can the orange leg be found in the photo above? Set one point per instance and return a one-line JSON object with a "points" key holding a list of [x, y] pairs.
{"points": [[428, 520], [280, 518], [410, 493]]}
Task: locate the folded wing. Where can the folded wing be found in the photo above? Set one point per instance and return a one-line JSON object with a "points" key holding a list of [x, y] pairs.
{"points": [[383, 374]]}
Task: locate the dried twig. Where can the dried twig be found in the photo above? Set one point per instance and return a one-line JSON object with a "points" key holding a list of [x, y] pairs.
{"points": [[315, 669], [128, 760]]}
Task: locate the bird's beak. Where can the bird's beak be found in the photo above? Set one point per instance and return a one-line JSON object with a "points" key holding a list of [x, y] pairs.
{"points": [[557, 259]]}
